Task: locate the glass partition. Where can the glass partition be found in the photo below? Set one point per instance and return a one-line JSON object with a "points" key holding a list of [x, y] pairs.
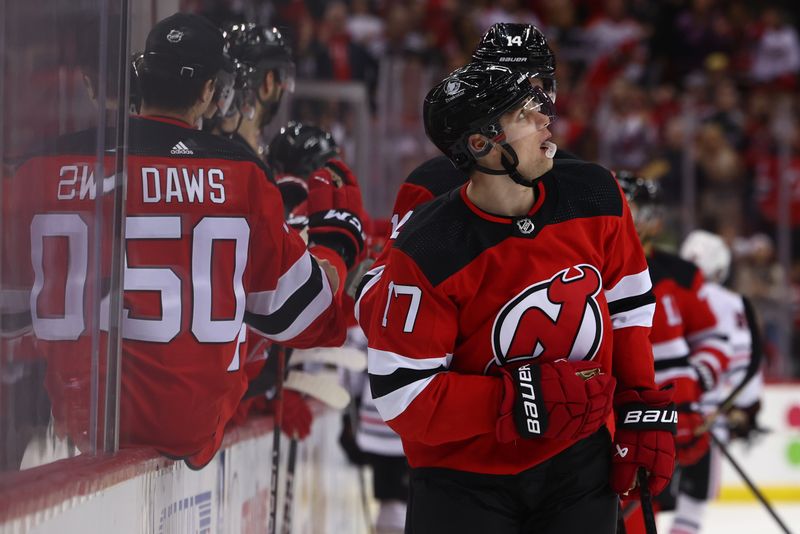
{"points": [[63, 82]]}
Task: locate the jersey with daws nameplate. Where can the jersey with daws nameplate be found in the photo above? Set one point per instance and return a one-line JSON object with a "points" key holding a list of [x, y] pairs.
{"points": [[206, 252], [462, 292]]}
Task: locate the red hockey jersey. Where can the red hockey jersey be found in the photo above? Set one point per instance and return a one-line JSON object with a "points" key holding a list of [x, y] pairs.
{"points": [[206, 251], [463, 292], [685, 335]]}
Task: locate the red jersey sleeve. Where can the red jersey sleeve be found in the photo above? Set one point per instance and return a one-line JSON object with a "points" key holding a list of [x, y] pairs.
{"points": [[412, 332], [631, 304], [289, 299], [408, 197]]}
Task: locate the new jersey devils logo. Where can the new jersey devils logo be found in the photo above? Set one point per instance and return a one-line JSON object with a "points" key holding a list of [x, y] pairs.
{"points": [[556, 318]]}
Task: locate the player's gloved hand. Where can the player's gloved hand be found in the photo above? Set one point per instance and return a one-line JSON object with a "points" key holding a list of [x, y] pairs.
{"points": [[741, 420], [294, 190], [336, 211], [555, 400], [691, 447], [296, 414], [646, 422]]}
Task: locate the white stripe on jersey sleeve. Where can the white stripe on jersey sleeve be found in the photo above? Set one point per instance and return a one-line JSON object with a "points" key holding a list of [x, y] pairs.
{"points": [[375, 277], [268, 302], [672, 373], [642, 316], [393, 404], [381, 362], [674, 348], [316, 308], [632, 285], [384, 362]]}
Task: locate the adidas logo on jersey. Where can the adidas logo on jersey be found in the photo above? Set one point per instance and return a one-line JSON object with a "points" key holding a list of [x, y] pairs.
{"points": [[180, 148]]}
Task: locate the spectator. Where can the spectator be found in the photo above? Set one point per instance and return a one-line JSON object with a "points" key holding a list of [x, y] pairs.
{"points": [[613, 28], [629, 135], [777, 54]]}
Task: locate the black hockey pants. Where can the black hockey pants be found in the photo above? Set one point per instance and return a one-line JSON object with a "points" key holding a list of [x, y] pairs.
{"points": [[567, 494]]}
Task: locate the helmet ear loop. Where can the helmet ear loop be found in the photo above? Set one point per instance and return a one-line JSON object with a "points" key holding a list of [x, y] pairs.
{"points": [[481, 152]]}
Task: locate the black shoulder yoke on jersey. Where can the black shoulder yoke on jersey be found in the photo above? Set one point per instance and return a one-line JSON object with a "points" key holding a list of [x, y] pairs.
{"points": [[157, 138], [80, 143], [444, 235], [664, 265], [439, 175], [585, 190]]}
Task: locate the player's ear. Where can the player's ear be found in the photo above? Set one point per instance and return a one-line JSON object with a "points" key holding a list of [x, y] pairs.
{"points": [[208, 92], [479, 145]]}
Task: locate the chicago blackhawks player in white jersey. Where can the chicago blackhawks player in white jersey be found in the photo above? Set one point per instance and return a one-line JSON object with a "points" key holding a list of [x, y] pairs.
{"points": [[736, 320], [503, 317]]}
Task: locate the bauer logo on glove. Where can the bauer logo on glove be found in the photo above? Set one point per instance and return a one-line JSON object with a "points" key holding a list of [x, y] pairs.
{"points": [[554, 400], [667, 417], [529, 415]]}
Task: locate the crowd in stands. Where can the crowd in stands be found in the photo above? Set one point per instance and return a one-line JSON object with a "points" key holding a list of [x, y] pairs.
{"points": [[663, 88]]}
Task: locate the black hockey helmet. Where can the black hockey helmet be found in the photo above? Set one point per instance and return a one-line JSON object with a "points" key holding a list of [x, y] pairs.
{"points": [[644, 198], [300, 149], [264, 49], [471, 100], [521, 47], [295, 152], [638, 190]]}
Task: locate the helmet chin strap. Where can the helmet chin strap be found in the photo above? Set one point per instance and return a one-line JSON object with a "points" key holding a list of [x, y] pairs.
{"points": [[509, 166]]}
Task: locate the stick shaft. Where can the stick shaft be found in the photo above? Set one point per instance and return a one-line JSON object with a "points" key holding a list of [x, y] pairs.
{"points": [[647, 503], [753, 488], [272, 527], [288, 497]]}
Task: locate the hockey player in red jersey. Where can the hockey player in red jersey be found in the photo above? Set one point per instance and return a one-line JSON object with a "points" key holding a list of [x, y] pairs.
{"points": [[520, 47], [299, 154], [689, 348], [206, 251], [266, 73], [506, 312]]}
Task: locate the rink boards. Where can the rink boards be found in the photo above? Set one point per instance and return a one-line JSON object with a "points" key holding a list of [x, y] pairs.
{"points": [[139, 492]]}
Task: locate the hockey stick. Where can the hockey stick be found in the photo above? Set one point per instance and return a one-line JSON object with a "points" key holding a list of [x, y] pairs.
{"points": [[288, 497], [749, 483], [647, 503], [620, 518], [344, 357], [362, 479], [752, 369], [272, 526], [323, 387]]}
